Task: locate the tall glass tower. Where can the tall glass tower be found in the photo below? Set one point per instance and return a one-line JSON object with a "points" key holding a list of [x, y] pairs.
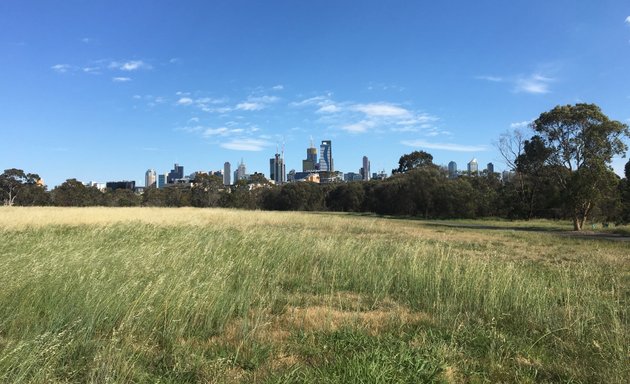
{"points": [[325, 156]]}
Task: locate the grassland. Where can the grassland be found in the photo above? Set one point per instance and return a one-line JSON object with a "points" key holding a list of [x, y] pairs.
{"points": [[114, 295]]}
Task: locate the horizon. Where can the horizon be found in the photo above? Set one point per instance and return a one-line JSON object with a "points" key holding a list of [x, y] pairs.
{"points": [[105, 90]]}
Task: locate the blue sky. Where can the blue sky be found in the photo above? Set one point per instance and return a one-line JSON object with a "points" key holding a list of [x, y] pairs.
{"points": [[104, 90]]}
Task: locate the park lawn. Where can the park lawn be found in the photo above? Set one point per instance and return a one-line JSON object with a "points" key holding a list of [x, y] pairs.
{"points": [[212, 295]]}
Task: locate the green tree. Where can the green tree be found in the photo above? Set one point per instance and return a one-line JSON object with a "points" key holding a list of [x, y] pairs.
{"points": [[583, 141], [415, 159], [13, 181], [72, 193], [205, 191]]}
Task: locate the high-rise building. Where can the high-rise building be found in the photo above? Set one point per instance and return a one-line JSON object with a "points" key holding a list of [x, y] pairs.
{"points": [[325, 157], [227, 173], [161, 182], [150, 178], [241, 172], [490, 169], [473, 167], [365, 171], [452, 169], [277, 169], [176, 173], [310, 163]]}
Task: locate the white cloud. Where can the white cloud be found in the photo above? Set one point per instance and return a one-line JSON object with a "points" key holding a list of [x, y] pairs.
{"points": [[128, 66], [535, 84], [381, 110], [521, 124], [360, 127], [245, 144], [494, 79], [317, 100], [193, 120], [61, 68], [222, 131], [444, 146], [330, 108], [86, 40], [92, 70], [184, 101], [628, 19], [278, 87], [121, 79], [249, 106]]}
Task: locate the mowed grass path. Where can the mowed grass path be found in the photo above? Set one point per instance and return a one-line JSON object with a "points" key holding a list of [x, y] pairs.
{"points": [[114, 295]]}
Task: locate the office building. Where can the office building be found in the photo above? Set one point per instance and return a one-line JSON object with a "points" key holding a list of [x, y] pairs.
{"points": [[114, 185], [473, 167], [326, 163], [452, 170], [176, 173], [310, 163], [150, 178], [161, 181], [352, 176], [277, 169], [490, 169], [366, 169], [227, 173], [241, 172]]}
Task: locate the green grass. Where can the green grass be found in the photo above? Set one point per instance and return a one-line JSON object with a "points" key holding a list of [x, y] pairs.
{"points": [[172, 296]]}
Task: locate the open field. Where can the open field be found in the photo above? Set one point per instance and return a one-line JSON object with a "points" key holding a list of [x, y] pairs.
{"points": [[115, 295]]}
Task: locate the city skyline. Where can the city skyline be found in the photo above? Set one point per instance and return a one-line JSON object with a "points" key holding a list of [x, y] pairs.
{"points": [[105, 90]]}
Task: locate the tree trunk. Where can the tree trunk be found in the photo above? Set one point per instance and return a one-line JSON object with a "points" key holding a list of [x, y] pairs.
{"points": [[577, 224]]}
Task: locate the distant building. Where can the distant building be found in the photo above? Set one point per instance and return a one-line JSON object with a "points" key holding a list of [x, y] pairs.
{"points": [[291, 176], [227, 173], [382, 175], [311, 177], [176, 173], [473, 167], [277, 172], [326, 163], [490, 169], [100, 186], [161, 182], [241, 172], [310, 163], [452, 169], [150, 178], [114, 185], [352, 176], [365, 171]]}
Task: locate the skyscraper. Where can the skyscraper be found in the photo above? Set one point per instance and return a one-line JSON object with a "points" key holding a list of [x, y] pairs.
{"points": [[452, 169], [310, 164], [473, 167], [227, 173], [150, 178], [490, 169], [325, 156], [277, 170], [176, 173], [241, 172], [366, 169]]}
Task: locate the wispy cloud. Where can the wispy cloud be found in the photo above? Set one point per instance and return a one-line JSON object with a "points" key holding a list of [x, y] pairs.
{"points": [[278, 87], [121, 79], [494, 79], [628, 20], [444, 146], [249, 106], [128, 66], [535, 84], [222, 131], [61, 68], [360, 127], [520, 124], [381, 110], [239, 144], [86, 40], [185, 101]]}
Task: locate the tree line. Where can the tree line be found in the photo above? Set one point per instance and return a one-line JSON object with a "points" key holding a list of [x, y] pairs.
{"points": [[561, 172]]}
